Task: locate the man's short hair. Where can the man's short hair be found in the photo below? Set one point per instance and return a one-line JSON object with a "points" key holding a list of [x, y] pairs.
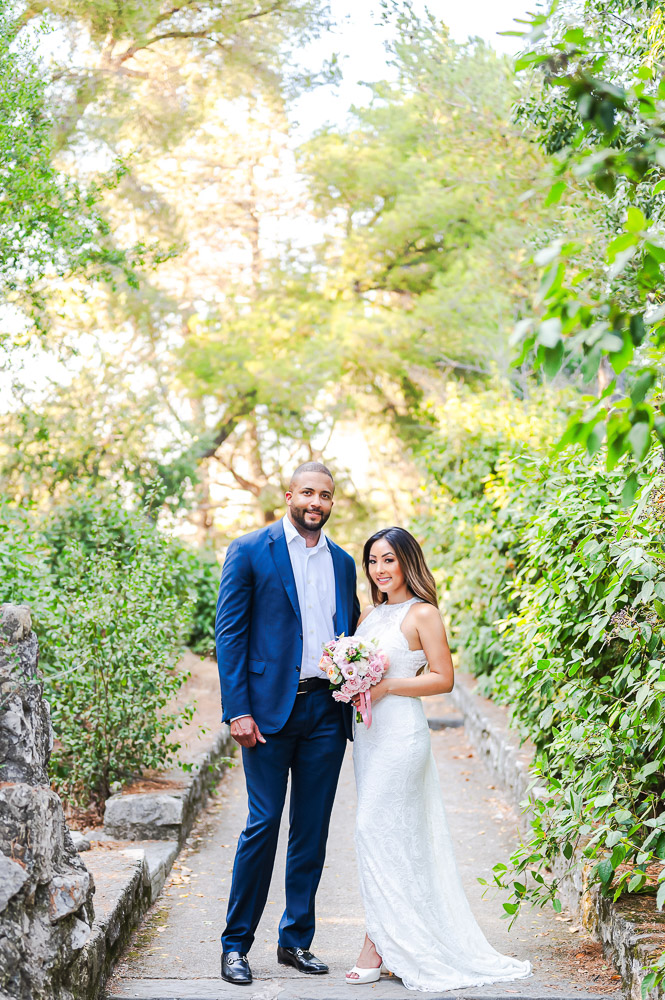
{"points": [[311, 467]]}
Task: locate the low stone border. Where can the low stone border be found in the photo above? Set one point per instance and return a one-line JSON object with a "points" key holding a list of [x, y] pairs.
{"points": [[121, 898], [487, 726], [169, 815], [630, 930], [129, 875]]}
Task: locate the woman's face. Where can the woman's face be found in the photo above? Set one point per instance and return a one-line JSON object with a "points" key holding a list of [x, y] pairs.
{"points": [[384, 569]]}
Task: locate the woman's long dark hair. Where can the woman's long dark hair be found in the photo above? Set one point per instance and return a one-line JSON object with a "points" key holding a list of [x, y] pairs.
{"points": [[410, 557]]}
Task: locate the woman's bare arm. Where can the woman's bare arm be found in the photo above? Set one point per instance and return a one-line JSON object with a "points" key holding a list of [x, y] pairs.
{"points": [[426, 627]]}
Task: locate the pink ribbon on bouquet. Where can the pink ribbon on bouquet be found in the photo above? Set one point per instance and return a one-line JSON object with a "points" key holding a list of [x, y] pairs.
{"points": [[365, 707]]}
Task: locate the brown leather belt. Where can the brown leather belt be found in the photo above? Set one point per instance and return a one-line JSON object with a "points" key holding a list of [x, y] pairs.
{"points": [[312, 684]]}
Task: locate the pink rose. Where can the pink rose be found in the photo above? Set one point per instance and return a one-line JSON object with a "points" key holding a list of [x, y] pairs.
{"points": [[351, 687], [379, 661]]}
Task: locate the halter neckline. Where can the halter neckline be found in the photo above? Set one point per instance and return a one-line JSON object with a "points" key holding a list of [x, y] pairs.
{"points": [[396, 604]]}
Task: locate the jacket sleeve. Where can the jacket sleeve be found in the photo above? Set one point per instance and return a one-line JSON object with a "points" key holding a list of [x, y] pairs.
{"points": [[232, 625]]}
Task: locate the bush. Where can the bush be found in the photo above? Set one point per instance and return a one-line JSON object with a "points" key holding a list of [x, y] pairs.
{"points": [[113, 604], [101, 524], [569, 592], [202, 571], [478, 466], [113, 675]]}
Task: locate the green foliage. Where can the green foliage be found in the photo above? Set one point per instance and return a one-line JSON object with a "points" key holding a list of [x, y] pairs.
{"points": [[113, 602], [425, 192], [248, 41], [22, 556], [190, 99], [417, 220], [113, 674], [478, 465], [421, 204], [202, 570], [49, 225], [46, 448], [568, 589], [586, 677], [243, 359], [600, 113]]}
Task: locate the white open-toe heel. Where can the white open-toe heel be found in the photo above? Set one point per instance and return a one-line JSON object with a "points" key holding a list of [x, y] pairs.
{"points": [[364, 976]]}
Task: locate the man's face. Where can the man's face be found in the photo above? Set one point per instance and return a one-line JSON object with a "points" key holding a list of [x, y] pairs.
{"points": [[310, 500]]}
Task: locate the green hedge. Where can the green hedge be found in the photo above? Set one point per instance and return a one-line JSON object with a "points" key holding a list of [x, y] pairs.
{"points": [[556, 596], [478, 467], [113, 601]]}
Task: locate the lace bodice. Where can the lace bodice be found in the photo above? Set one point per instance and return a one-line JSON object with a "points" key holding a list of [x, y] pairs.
{"points": [[384, 624]]}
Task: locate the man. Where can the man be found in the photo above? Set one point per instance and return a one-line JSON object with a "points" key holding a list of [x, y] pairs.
{"points": [[286, 589]]}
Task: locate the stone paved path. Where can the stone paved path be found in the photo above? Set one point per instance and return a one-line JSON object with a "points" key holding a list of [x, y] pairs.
{"points": [[175, 952]]}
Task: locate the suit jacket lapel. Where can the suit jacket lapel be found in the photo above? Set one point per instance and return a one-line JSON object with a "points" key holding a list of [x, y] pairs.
{"points": [[280, 554], [340, 621]]}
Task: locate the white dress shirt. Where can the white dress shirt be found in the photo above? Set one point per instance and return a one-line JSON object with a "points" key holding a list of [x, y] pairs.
{"points": [[315, 583]]}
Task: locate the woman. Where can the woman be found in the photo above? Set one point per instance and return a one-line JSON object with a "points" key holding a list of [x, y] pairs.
{"points": [[418, 920]]}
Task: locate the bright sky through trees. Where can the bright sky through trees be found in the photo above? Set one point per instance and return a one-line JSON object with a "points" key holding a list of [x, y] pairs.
{"points": [[359, 39]]}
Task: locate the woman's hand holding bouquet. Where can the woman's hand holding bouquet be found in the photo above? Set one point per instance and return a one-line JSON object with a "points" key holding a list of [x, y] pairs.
{"points": [[353, 666]]}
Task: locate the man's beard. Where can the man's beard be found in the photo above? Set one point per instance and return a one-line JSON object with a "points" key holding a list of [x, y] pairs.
{"points": [[298, 515]]}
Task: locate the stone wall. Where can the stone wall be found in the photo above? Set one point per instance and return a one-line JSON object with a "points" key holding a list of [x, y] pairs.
{"points": [[45, 889]]}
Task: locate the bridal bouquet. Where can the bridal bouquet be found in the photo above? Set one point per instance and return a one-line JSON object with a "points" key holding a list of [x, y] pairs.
{"points": [[353, 666]]}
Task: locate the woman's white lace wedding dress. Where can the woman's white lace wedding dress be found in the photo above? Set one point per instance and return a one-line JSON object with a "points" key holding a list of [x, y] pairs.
{"points": [[416, 911]]}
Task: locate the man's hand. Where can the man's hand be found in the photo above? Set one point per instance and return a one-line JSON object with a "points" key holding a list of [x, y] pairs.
{"points": [[246, 732]]}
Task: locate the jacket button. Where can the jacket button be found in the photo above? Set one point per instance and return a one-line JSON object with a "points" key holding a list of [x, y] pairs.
{"points": [[296, 667], [301, 635]]}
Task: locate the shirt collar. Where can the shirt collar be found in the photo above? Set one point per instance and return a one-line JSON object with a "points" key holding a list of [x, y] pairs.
{"points": [[293, 535]]}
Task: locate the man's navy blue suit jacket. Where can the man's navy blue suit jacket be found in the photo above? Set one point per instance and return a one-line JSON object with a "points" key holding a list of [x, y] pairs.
{"points": [[258, 629]]}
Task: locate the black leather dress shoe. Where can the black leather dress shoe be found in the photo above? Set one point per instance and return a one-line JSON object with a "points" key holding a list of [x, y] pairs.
{"points": [[301, 960], [235, 968]]}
